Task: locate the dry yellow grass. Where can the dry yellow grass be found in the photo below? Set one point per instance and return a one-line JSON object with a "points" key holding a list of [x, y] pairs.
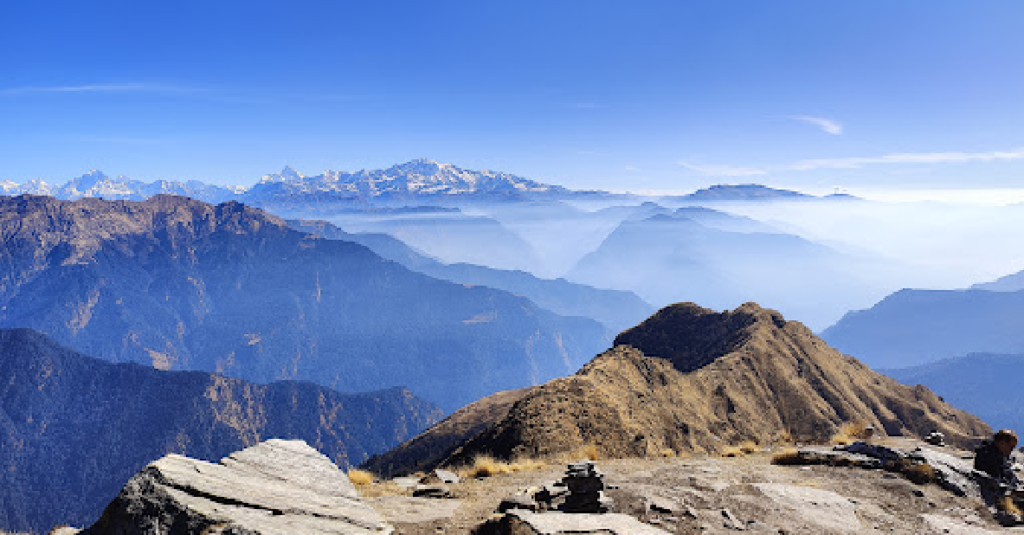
{"points": [[360, 478], [588, 451], [487, 466], [731, 451], [849, 432], [788, 456], [384, 488], [1006, 504], [748, 447], [920, 473]]}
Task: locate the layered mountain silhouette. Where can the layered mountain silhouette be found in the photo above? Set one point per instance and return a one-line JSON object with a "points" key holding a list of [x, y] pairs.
{"points": [[74, 428], [691, 379], [179, 284], [913, 327], [721, 260], [754, 192], [1010, 283], [616, 309], [985, 384]]}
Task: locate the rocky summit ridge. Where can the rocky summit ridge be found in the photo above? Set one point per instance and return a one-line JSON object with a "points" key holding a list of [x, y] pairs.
{"points": [[692, 379]]}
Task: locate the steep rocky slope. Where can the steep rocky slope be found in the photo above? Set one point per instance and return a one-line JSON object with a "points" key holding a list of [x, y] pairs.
{"points": [[73, 429], [690, 379], [179, 284]]}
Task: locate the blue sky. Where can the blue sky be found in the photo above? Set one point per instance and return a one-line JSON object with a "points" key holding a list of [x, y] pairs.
{"points": [[636, 95]]}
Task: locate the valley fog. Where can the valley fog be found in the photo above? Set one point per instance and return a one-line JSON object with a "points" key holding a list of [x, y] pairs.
{"points": [[813, 259]]}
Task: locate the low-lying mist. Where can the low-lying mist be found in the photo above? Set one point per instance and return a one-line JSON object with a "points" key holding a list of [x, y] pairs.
{"points": [[814, 260]]}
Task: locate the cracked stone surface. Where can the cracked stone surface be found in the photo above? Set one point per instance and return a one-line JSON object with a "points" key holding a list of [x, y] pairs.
{"points": [[277, 487]]}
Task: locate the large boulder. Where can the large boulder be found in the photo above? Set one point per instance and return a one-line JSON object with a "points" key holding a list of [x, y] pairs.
{"points": [[277, 487]]}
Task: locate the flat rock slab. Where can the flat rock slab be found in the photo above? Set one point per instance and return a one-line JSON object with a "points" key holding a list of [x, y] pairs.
{"points": [[945, 524], [554, 523], [406, 509], [818, 507], [278, 487]]}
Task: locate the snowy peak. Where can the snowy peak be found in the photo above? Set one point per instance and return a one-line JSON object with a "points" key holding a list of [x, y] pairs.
{"points": [[421, 177]]}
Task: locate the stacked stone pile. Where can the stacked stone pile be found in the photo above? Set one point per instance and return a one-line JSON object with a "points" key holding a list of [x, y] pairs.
{"points": [[586, 488]]}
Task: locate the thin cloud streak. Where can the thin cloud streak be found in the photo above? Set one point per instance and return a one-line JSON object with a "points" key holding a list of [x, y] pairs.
{"points": [[826, 125], [897, 158], [907, 158], [99, 88]]}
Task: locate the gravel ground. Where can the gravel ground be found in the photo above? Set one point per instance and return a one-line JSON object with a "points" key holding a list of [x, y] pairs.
{"points": [[759, 497]]}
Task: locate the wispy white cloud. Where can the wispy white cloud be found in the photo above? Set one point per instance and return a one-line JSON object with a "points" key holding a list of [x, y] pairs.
{"points": [[907, 158], [896, 158], [826, 125], [133, 87], [722, 170]]}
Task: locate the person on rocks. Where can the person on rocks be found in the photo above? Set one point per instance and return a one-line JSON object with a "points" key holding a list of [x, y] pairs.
{"points": [[1004, 490], [993, 458]]}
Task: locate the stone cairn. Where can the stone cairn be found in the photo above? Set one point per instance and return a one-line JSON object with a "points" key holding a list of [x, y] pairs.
{"points": [[586, 486]]}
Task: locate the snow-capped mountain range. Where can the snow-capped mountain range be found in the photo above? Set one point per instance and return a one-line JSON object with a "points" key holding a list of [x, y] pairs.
{"points": [[415, 179]]}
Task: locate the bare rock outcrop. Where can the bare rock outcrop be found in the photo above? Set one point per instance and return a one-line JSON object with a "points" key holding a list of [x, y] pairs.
{"points": [[278, 487]]}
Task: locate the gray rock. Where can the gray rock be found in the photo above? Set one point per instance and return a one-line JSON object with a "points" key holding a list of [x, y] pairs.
{"points": [[431, 491], [661, 505], [517, 501], [521, 522], [825, 509], [278, 487], [731, 521], [406, 482], [447, 476], [954, 474], [407, 509]]}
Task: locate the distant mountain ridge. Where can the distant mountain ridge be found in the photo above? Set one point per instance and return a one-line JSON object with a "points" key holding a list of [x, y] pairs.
{"points": [[73, 428], [179, 284], [987, 385], [755, 192], [614, 308], [722, 260], [913, 327], [420, 179]]}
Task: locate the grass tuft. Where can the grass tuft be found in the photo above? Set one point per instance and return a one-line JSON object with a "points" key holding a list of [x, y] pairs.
{"points": [[849, 433], [360, 478], [921, 473], [487, 466], [787, 457]]}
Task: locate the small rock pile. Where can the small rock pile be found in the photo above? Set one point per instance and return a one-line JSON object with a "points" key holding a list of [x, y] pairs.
{"points": [[586, 490]]}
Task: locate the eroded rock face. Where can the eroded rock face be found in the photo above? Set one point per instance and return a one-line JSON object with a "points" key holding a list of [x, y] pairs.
{"points": [[278, 487]]}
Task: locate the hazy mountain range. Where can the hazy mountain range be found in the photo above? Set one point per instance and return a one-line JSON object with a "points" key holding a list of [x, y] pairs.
{"points": [[179, 284], [74, 428], [987, 385], [912, 327], [721, 260], [616, 309]]}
